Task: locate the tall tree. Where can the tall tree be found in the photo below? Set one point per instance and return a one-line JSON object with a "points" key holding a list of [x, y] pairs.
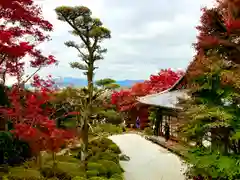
{"points": [[219, 30], [213, 107], [91, 32]]}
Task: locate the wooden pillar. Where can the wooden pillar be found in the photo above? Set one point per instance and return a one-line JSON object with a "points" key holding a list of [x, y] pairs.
{"points": [[158, 124]]}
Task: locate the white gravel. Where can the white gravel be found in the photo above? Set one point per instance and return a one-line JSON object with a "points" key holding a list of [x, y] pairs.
{"points": [[148, 161]]}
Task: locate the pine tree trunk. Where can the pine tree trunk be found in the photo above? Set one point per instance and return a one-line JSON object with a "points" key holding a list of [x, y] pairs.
{"points": [[89, 114]]}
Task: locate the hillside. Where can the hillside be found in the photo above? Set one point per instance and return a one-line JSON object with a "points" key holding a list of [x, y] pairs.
{"points": [[78, 82]]}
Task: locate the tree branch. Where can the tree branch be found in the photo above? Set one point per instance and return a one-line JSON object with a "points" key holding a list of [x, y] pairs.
{"points": [[73, 25], [24, 82]]}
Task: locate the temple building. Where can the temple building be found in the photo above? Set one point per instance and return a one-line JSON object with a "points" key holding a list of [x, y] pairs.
{"points": [[166, 103]]}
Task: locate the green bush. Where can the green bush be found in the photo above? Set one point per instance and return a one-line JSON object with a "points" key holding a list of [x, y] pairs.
{"points": [[61, 175], [107, 128], [114, 148], [22, 178], [103, 148], [97, 178], [117, 177], [93, 158], [99, 145], [112, 167], [108, 156], [93, 166], [94, 150], [79, 178], [111, 116], [148, 131], [103, 159], [204, 163], [92, 173], [49, 172]]}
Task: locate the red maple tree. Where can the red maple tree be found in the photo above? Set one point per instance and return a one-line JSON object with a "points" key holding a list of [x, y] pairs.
{"points": [[21, 19], [219, 30], [31, 119], [127, 99]]}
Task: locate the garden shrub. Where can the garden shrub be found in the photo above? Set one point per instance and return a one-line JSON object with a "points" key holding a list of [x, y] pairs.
{"points": [[108, 156], [148, 131], [62, 175], [112, 116], [71, 168], [79, 178], [114, 148], [112, 167], [92, 173], [12, 150], [100, 145], [22, 178], [102, 171], [103, 159], [97, 178], [106, 129], [116, 177], [93, 158], [22, 172], [49, 172], [103, 148], [94, 150], [204, 164]]}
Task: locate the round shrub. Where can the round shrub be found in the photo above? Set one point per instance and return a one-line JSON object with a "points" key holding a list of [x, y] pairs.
{"points": [[117, 177], [49, 172], [102, 171], [97, 178], [106, 141], [95, 150], [112, 167], [93, 158], [22, 178], [79, 178], [92, 173], [108, 156], [61, 175], [148, 131], [114, 148]]}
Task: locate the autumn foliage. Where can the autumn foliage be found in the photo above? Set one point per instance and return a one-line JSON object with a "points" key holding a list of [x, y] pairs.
{"points": [[126, 99], [22, 19], [219, 30], [31, 118]]}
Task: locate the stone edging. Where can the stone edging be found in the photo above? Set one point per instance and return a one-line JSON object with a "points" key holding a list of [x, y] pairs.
{"points": [[178, 153]]}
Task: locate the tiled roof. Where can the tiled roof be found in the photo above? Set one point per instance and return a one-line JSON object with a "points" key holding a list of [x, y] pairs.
{"points": [[168, 99]]}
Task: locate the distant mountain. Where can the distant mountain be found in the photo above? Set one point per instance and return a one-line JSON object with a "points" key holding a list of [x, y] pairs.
{"points": [[78, 82]]}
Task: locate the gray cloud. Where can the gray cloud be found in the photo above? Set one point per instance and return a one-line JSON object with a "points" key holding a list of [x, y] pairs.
{"points": [[146, 36]]}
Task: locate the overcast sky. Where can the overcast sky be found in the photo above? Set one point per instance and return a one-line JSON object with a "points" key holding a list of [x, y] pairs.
{"points": [[146, 36]]}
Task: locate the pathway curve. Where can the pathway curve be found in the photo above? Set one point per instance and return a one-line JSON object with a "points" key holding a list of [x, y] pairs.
{"points": [[148, 161]]}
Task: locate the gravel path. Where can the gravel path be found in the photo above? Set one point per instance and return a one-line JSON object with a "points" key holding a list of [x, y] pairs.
{"points": [[148, 161]]}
